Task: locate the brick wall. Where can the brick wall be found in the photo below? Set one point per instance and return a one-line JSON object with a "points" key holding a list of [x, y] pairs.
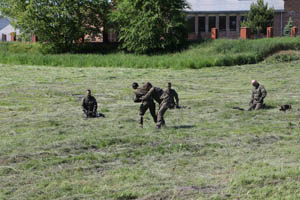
{"points": [[292, 9], [278, 25]]}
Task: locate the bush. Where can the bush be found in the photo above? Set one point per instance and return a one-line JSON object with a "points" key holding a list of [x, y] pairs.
{"points": [[221, 52], [149, 26], [288, 27], [47, 48]]}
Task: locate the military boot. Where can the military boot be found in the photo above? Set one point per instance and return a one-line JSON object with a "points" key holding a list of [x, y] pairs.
{"points": [[141, 121]]}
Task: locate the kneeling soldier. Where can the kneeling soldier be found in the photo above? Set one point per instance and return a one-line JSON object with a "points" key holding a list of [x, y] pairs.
{"points": [[258, 94], [89, 105]]}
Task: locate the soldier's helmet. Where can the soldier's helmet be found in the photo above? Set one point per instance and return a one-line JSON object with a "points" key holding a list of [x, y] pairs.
{"points": [[135, 85]]}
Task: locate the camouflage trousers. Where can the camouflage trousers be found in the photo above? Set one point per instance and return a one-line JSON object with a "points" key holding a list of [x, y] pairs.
{"points": [[163, 107], [143, 109], [93, 114], [257, 105]]}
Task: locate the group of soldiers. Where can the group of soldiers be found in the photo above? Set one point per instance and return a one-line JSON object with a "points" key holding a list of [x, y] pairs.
{"points": [[166, 99]]}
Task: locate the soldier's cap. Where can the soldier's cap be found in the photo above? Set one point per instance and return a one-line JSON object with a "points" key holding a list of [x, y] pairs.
{"points": [[135, 85], [88, 90]]}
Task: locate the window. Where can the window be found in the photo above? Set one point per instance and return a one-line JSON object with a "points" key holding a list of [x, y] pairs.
{"points": [[232, 23], [222, 23], [212, 23], [243, 19], [201, 24], [190, 24]]}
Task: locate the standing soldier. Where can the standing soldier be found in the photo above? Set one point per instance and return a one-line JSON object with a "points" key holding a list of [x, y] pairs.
{"points": [[173, 95], [258, 94], [89, 105], [145, 105]]}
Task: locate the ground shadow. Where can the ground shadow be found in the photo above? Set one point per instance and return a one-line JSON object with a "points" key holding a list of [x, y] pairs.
{"points": [[268, 107], [183, 127]]}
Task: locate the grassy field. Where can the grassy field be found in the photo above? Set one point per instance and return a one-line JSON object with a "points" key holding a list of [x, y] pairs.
{"points": [[221, 52], [48, 150]]}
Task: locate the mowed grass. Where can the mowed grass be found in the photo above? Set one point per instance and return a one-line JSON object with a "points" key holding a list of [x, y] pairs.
{"points": [[48, 150]]}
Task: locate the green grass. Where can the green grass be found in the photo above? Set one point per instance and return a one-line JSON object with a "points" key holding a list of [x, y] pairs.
{"points": [[48, 150], [222, 52]]}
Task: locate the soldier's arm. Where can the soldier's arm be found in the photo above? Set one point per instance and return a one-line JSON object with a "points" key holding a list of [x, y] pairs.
{"points": [[148, 95], [95, 105], [176, 98], [83, 105], [263, 94], [252, 107], [136, 99]]}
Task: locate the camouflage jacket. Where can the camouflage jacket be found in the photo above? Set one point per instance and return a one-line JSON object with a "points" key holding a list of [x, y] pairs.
{"points": [[138, 94], [170, 96], [89, 103], [155, 93], [258, 94]]}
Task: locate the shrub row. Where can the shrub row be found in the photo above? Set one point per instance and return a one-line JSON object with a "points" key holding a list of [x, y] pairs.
{"points": [[222, 52]]}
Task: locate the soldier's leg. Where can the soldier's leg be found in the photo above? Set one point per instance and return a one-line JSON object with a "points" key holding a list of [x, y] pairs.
{"points": [[259, 106], [143, 109], [89, 114], [85, 113], [153, 111], [98, 114], [160, 116], [252, 107]]}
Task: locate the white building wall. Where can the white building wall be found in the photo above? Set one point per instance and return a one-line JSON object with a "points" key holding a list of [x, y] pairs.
{"points": [[6, 28], [7, 31]]}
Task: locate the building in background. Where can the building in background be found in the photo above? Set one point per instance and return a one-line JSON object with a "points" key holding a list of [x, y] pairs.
{"points": [[6, 29], [227, 15], [203, 15]]}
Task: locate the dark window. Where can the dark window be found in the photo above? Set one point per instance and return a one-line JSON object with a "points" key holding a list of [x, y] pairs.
{"points": [[243, 19], [212, 23], [190, 24], [201, 24], [222, 23], [232, 23]]}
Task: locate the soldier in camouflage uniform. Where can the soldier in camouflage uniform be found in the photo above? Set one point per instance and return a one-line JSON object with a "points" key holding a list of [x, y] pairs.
{"points": [[258, 94], [174, 95], [165, 98], [145, 105], [89, 105]]}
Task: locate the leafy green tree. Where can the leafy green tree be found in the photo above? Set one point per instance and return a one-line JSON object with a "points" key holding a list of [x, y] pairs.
{"points": [[58, 21], [147, 26], [288, 27], [260, 17]]}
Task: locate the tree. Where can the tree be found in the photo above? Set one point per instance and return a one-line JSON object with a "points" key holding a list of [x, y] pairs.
{"points": [[58, 21], [260, 17], [147, 26], [288, 27]]}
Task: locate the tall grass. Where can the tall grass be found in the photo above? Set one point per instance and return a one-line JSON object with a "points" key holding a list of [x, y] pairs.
{"points": [[222, 52]]}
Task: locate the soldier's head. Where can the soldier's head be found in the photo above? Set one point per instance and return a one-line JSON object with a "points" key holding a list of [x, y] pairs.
{"points": [[254, 83], [88, 92], [135, 85], [169, 85], [148, 86]]}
